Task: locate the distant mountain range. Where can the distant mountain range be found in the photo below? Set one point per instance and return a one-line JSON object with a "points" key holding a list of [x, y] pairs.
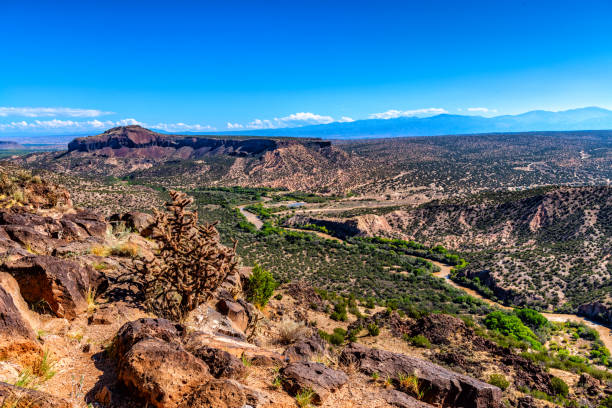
{"points": [[591, 118]]}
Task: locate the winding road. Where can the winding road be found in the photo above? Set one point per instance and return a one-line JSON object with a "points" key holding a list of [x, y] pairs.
{"points": [[605, 333]]}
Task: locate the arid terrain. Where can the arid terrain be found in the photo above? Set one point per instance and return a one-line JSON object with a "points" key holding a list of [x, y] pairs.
{"points": [[360, 236]]}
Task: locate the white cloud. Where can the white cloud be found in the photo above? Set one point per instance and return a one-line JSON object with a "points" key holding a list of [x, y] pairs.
{"points": [[32, 112], [294, 120], [95, 125], [394, 113], [482, 110], [181, 127]]}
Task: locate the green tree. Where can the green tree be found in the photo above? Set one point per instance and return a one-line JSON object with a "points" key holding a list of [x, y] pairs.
{"points": [[261, 286]]}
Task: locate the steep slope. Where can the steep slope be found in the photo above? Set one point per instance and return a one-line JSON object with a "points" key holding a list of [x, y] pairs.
{"points": [[547, 247], [141, 154]]}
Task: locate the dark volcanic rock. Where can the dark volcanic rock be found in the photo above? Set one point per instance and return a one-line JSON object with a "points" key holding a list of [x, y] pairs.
{"points": [[220, 363], [319, 378], [440, 386], [402, 400], [145, 328], [304, 349], [162, 373], [17, 338], [217, 394], [61, 284]]}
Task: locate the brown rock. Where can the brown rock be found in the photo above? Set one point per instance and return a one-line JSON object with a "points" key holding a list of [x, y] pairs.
{"points": [[162, 373], [17, 339], [235, 312], [103, 396], [216, 394], [30, 239], [139, 222], [58, 283], [440, 386], [402, 400], [220, 363], [439, 328], [304, 349], [17, 397], [145, 328], [315, 376], [94, 224]]}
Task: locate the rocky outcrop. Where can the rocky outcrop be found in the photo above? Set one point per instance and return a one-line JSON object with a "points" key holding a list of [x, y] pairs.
{"points": [[596, 311], [439, 386], [221, 363], [12, 396], [17, 337], [304, 349], [135, 140], [402, 400], [314, 376], [218, 394], [57, 284], [162, 373], [167, 367]]}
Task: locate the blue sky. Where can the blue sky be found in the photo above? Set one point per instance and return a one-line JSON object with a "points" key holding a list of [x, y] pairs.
{"points": [[76, 66]]}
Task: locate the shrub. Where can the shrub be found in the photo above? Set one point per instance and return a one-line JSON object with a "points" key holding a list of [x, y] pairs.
{"points": [[419, 341], [190, 264], [559, 386], [510, 325], [260, 287], [499, 380], [289, 331], [531, 318], [373, 329]]}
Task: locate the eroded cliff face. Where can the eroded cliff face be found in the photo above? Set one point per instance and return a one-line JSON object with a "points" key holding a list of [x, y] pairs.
{"points": [[130, 141]]}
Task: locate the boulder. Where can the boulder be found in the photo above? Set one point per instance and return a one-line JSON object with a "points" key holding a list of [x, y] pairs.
{"points": [[17, 338], [440, 386], [93, 223], [139, 222], [162, 373], [145, 328], [402, 400], [216, 394], [315, 376], [58, 284], [220, 363], [17, 397], [304, 349], [235, 312], [33, 241], [208, 320]]}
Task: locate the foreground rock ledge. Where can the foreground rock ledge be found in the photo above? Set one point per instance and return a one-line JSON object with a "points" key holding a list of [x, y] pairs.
{"points": [[440, 387]]}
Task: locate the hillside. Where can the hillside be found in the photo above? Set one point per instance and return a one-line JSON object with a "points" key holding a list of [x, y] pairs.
{"points": [[141, 154], [80, 327], [547, 248]]}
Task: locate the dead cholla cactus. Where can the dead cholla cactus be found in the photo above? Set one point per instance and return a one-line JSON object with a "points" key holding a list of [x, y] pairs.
{"points": [[190, 264]]}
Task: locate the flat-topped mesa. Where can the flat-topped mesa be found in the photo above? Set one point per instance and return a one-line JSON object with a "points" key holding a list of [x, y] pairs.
{"points": [[137, 137]]}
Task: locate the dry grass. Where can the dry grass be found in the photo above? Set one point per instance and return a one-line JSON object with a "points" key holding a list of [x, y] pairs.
{"points": [[290, 331]]}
